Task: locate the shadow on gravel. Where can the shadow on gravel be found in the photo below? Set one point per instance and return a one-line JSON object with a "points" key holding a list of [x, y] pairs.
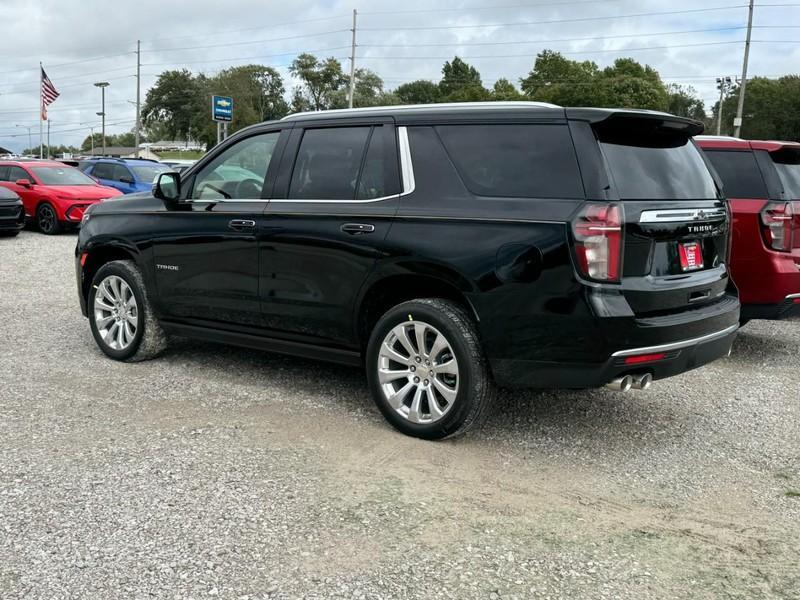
{"points": [[554, 417]]}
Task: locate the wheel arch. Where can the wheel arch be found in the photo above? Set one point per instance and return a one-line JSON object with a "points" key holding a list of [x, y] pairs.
{"points": [[385, 290], [99, 255]]}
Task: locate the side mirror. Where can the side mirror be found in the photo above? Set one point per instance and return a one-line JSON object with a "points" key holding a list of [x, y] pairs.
{"points": [[24, 182], [128, 180], [168, 187]]}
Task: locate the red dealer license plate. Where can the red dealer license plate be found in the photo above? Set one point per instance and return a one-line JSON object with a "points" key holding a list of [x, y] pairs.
{"points": [[691, 255]]}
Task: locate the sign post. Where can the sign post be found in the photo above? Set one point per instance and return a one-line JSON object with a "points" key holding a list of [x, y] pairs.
{"points": [[222, 113]]}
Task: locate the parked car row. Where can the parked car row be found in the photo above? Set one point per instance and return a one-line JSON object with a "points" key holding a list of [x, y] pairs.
{"points": [[447, 248]]}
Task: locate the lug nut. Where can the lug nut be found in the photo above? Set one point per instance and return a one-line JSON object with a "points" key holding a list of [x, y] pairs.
{"points": [[416, 379], [418, 359], [426, 382], [413, 368]]}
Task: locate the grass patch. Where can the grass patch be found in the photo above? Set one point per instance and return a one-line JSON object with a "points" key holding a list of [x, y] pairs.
{"points": [[181, 154], [792, 493]]}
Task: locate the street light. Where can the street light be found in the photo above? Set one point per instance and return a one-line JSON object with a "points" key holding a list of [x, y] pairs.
{"points": [[28, 127], [103, 85], [723, 85]]}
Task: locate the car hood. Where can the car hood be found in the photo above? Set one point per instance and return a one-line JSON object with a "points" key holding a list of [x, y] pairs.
{"points": [[84, 192]]}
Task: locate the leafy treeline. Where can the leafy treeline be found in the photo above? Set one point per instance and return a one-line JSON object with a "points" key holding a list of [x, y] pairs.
{"points": [[178, 105]]}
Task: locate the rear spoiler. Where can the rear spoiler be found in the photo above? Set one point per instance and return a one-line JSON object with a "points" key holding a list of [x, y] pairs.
{"points": [[629, 119]]}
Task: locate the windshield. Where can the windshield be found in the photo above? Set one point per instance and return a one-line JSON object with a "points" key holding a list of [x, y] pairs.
{"points": [[787, 162], [61, 176], [148, 172], [656, 165]]}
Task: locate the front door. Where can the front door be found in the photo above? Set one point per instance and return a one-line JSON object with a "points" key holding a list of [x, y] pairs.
{"points": [[326, 226], [206, 250]]}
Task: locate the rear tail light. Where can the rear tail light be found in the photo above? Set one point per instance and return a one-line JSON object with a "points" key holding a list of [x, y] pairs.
{"points": [[598, 241], [778, 225]]}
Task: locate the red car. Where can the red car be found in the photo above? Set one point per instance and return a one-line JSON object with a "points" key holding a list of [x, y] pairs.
{"points": [[762, 183], [54, 194]]}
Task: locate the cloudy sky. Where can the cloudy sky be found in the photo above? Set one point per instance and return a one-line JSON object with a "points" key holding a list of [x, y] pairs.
{"points": [[689, 41]]}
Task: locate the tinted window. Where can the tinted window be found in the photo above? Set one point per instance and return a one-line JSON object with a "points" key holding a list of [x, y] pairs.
{"points": [[148, 173], [528, 161], [15, 173], [650, 164], [121, 172], [61, 176], [379, 175], [741, 177], [787, 162], [4, 173], [239, 172], [328, 163], [103, 171]]}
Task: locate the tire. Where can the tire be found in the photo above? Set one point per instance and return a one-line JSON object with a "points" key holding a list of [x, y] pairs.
{"points": [[144, 342], [460, 401], [47, 219]]}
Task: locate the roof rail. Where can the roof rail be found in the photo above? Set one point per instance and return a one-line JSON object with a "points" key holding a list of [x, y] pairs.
{"points": [[415, 107]]}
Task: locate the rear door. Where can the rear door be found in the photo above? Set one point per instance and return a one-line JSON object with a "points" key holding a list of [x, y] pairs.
{"points": [[104, 173], [675, 224], [326, 225]]}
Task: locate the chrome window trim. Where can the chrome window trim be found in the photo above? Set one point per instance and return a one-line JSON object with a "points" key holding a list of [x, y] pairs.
{"points": [[677, 215], [406, 173], [677, 345], [792, 296]]}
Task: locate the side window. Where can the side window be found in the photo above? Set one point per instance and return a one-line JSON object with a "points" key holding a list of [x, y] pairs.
{"points": [[328, 163], [121, 172], [239, 172], [4, 173], [741, 177], [103, 171], [15, 173], [522, 161], [379, 175]]}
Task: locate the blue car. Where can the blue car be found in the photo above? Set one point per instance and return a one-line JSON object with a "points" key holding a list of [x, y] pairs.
{"points": [[128, 175]]}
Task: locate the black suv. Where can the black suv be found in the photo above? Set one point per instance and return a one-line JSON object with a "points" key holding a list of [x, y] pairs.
{"points": [[445, 247]]}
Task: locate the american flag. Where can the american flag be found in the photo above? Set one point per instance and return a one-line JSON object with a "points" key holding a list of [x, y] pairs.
{"points": [[49, 94]]}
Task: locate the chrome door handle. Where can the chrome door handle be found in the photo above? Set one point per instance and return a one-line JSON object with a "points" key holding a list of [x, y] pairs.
{"points": [[357, 228], [239, 224]]}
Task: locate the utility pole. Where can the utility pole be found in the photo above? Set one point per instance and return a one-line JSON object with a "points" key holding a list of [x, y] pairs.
{"points": [[737, 123], [138, 93], [103, 85], [723, 83], [352, 63], [41, 109]]}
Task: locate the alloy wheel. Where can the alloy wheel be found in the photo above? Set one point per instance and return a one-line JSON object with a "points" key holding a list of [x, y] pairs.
{"points": [[418, 372], [116, 314], [47, 219]]}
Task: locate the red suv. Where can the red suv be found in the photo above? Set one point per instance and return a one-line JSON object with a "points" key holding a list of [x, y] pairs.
{"points": [[762, 182], [54, 194]]}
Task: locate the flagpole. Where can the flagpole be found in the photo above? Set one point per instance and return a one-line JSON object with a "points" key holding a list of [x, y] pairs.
{"points": [[41, 105]]}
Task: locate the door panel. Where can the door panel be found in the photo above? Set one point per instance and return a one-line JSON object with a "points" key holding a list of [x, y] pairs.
{"points": [[206, 251], [320, 245]]}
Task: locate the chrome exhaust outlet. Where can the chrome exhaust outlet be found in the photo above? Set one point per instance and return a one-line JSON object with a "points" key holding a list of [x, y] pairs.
{"points": [[621, 384], [642, 382]]}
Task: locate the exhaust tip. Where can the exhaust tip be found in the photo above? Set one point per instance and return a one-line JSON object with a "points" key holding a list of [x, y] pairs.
{"points": [[621, 384], [642, 382]]}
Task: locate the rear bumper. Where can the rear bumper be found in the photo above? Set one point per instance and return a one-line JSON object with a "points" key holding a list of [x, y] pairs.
{"points": [[789, 308], [683, 355]]}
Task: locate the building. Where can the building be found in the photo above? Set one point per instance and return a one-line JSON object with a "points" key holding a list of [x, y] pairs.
{"points": [[124, 152]]}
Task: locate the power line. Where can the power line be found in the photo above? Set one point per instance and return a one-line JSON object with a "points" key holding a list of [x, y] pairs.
{"points": [[554, 21], [501, 7], [291, 37], [258, 56]]}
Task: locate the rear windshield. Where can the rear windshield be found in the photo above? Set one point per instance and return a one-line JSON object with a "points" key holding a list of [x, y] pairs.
{"points": [[741, 177], [652, 164], [787, 162], [61, 176]]}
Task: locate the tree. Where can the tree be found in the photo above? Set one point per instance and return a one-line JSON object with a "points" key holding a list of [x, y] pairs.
{"points": [[420, 91], [560, 80], [771, 109], [504, 90], [683, 101], [175, 101], [628, 84], [320, 79], [368, 91], [461, 82]]}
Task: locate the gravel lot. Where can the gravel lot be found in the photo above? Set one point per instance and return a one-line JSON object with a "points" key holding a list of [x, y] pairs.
{"points": [[221, 472]]}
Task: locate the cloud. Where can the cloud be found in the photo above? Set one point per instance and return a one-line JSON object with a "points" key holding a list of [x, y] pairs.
{"points": [[94, 40]]}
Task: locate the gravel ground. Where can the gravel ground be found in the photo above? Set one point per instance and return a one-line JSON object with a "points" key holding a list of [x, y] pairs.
{"points": [[221, 472]]}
